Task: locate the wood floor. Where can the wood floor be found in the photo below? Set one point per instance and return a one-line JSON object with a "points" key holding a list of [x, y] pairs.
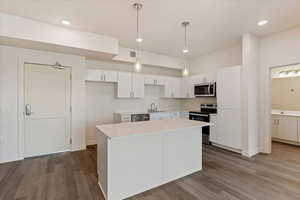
{"points": [[225, 176]]}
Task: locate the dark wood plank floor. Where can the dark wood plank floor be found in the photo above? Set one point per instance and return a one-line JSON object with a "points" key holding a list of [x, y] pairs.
{"points": [[225, 175]]}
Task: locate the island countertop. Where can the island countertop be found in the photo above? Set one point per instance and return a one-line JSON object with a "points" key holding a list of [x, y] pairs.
{"points": [[127, 129]]}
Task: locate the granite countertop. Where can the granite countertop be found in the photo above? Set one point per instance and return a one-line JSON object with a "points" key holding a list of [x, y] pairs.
{"points": [[127, 129], [292, 113]]}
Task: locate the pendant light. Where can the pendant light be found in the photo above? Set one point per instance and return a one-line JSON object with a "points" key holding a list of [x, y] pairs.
{"points": [[185, 50], [139, 39], [185, 71]]}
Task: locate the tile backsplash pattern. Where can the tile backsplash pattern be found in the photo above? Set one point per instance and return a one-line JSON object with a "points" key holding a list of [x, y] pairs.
{"points": [[194, 104]]}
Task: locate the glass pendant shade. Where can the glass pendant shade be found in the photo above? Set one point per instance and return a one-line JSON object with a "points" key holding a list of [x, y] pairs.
{"points": [[138, 65]]}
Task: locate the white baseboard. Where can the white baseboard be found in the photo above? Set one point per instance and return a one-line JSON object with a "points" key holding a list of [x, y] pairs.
{"points": [[227, 148]]}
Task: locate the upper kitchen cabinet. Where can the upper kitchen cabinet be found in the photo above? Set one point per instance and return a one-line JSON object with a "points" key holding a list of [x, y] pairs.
{"points": [[204, 78], [173, 87], [130, 85], [154, 80], [187, 87], [101, 75]]}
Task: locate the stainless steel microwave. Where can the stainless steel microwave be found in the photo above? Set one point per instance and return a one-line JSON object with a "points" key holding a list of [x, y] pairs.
{"points": [[205, 89]]}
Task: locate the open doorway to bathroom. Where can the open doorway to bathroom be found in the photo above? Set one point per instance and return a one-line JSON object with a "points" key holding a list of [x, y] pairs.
{"points": [[285, 104]]}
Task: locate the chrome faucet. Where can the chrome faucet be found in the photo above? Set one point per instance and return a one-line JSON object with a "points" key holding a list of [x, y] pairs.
{"points": [[153, 107]]}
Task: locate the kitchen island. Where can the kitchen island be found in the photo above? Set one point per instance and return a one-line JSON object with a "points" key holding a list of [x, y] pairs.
{"points": [[135, 157]]}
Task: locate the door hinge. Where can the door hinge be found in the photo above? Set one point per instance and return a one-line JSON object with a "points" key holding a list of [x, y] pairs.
{"points": [[70, 108], [70, 140]]}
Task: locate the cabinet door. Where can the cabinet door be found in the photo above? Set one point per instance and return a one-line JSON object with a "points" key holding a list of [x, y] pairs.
{"points": [[287, 128], [149, 80], [228, 87], [169, 87], [229, 128], [110, 76], [177, 87], [94, 75], [187, 88], [160, 80], [124, 85], [138, 85], [298, 120], [213, 129], [275, 127]]}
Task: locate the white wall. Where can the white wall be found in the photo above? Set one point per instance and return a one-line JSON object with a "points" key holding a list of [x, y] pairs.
{"points": [[276, 50], [11, 90], [249, 93], [227, 57], [128, 67], [15, 27], [150, 58]]}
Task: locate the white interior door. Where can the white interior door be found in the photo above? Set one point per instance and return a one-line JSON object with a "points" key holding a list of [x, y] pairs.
{"points": [[47, 110]]}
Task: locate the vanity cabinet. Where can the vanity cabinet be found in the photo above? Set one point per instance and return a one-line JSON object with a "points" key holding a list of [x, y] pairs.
{"points": [[285, 127], [130, 85], [102, 75]]}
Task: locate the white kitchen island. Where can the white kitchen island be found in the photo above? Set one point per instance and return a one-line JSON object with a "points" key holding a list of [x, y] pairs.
{"points": [[135, 157]]}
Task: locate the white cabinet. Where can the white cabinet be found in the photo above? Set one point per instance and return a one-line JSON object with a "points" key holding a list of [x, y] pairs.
{"points": [[229, 113], [101, 75], [138, 85], [154, 80], [173, 87], [187, 87], [213, 129], [228, 87], [229, 128], [130, 85], [285, 128], [122, 117], [275, 122], [298, 120]]}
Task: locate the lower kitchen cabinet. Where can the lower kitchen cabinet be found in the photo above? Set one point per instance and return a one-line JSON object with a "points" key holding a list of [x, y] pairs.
{"points": [[229, 128], [213, 129], [285, 128]]}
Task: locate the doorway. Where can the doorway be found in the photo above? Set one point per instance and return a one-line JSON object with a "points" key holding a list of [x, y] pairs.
{"points": [[285, 105], [47, 94]]}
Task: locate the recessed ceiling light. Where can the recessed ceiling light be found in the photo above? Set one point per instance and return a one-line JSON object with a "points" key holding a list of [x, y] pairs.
{"points": [[262, 22], [65, 22]]}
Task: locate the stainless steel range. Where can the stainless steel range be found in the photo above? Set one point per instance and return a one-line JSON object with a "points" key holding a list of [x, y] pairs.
{"points": [[204, 115]]}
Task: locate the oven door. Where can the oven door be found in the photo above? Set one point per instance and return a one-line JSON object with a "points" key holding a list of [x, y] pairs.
{"points": [[205, 129]]}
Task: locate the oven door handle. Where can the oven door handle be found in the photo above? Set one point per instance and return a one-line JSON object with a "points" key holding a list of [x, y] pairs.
{"points": [[200, 115]]}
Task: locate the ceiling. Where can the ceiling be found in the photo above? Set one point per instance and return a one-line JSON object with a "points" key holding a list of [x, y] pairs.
{"points": [[215, 24]]}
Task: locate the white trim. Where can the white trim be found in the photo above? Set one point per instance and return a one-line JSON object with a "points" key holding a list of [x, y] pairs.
{"points": [[227, 148], [266, 144], [102, 190]]}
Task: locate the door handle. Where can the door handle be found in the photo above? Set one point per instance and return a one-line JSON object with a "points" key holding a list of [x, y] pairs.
{"points": [[28, 110]]}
